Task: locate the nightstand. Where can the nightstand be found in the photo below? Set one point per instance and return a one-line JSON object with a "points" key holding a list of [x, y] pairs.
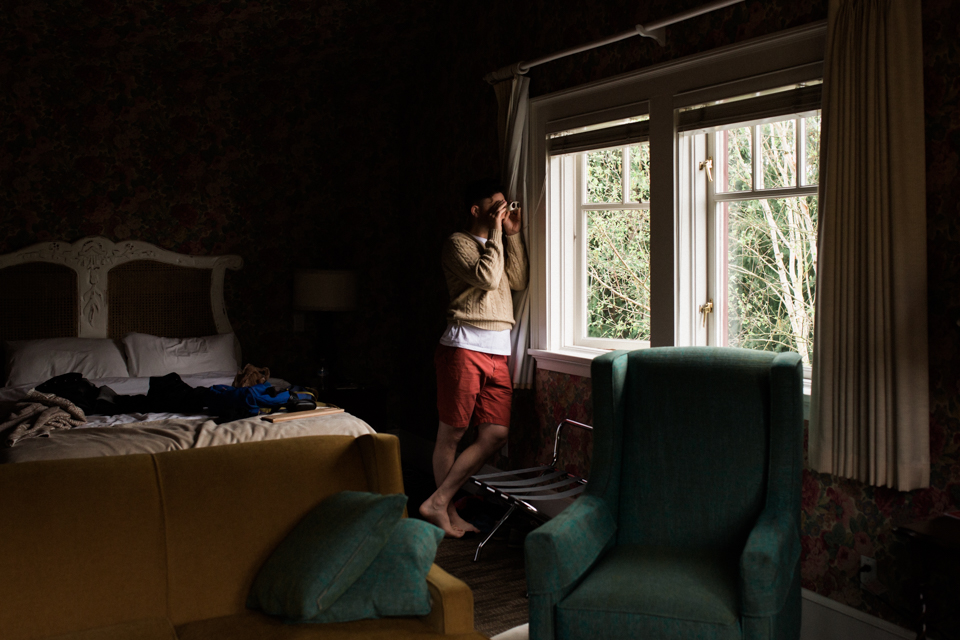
{"points": [[367, 402], [934, 547]]}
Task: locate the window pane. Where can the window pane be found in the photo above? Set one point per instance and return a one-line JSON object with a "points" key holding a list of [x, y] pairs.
{"points": [[605, 176], [811, 128], [618, 274], [778, 157], [734, 166], [771, 273], [640, 172]]}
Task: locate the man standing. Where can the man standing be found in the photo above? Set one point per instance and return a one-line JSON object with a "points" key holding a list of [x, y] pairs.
{"points": [[482, 267]]}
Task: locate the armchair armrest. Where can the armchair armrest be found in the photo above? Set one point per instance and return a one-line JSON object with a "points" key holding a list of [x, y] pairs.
{"points": [[452, 600], [560, 552], [768, 562]]}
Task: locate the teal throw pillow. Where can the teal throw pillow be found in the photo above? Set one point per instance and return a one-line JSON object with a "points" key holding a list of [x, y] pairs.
{"points": [[395, 584], [324, 554]]}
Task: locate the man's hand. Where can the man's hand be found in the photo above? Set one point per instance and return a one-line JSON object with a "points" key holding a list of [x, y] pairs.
{"points": [[497, 215], [512, 222]]}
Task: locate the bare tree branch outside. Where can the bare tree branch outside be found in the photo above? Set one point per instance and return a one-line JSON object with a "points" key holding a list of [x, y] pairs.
{"points": [[769, 253], [771, 242]]}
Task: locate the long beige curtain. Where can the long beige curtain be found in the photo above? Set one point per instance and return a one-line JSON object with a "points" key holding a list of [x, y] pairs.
{"points": [[870, 406], [512, 100]]}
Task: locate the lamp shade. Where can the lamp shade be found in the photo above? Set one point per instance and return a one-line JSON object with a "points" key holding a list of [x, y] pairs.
{"points": [[318, 290]]}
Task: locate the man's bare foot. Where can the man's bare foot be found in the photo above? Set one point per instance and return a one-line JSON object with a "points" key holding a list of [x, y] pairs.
{"points": [[438, 516], [459, 522]]}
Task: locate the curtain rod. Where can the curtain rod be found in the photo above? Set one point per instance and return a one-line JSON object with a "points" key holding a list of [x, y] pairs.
{"points": [[652, 30]]}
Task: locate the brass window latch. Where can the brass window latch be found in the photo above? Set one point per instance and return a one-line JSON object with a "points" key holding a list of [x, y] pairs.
{"points": [[708, 165], [705, 308]]}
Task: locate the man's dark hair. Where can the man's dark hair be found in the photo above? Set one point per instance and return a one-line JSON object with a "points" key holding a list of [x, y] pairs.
{"points": [[477, 190]]}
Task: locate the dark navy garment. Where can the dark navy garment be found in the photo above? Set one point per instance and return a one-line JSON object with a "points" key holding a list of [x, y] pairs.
{"points": [[167, 394]]}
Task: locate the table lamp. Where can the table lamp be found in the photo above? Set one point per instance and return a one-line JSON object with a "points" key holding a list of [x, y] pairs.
{"points": [[324, 290]]}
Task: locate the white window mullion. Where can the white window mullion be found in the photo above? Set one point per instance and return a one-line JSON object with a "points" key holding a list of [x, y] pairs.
{"points": [[715, 286], [625, 175], [554, 251], [565, 193], [757, 194], [798, 149], [801, 128], [576, 308], [692, 269], [756, 180]]}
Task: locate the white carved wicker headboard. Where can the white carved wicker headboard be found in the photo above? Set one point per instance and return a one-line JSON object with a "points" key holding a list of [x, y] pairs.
{"points": [[96, 288]]}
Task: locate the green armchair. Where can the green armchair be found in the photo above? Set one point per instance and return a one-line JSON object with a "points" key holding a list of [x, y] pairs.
{"points": [[689, 526]]}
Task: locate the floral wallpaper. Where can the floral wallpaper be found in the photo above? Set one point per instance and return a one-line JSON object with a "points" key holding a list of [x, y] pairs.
{"points": [[337, 134]]}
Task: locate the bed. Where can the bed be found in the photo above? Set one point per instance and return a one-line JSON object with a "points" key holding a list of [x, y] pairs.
{"points": [[117, 315]]}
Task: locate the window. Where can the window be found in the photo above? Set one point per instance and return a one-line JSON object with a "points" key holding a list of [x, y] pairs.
{"points": [[604, 198], [679, 205], [615, 211], [760, 208]]}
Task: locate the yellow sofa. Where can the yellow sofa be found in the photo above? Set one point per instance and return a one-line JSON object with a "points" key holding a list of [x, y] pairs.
{"points": [[166, 546]]}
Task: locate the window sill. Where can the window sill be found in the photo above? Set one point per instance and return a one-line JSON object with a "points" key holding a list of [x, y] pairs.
{"points": [[570, 360], [576, 361]]}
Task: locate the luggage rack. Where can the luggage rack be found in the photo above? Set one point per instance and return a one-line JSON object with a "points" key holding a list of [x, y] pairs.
{"points": [[542, 485]]}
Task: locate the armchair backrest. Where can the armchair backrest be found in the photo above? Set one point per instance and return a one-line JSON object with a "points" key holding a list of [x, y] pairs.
{"points": [[686, 444]]}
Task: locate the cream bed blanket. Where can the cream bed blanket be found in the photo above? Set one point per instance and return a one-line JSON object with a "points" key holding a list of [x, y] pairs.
{"points": [[173, 434]]}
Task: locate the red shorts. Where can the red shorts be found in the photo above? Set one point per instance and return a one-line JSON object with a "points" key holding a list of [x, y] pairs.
{"points": [[472, 387]]}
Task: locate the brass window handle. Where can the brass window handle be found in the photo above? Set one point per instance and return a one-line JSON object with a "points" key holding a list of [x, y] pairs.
{"points": [[705, 308], [708, 165]]}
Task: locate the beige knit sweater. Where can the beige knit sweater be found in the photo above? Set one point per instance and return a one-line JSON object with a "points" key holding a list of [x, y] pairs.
{"points": [[480, 278]]}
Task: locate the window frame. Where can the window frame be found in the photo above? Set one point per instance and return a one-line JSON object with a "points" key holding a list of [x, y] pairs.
{"points": [[716, 285], [793, 56], [568, 168]]}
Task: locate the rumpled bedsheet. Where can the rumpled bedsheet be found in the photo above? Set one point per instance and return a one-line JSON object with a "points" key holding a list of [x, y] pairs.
{"points": [[39, 414], [174, 434]]}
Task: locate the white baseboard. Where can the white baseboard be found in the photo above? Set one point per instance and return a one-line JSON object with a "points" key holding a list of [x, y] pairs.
{"points": [[826, 619], [517, 633]]}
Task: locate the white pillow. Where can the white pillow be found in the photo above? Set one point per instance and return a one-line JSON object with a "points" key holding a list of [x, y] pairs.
{"points": [[35, 361], [152, 356]]}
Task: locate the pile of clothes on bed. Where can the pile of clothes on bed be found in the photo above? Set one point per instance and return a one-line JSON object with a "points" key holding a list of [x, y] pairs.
{"points": [[64, 401]]}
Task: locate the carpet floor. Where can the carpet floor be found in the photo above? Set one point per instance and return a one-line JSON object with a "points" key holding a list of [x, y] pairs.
{"points": [[498, 580]]}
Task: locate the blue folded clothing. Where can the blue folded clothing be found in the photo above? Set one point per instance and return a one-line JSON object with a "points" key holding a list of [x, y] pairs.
{"points": [[251, 400]]}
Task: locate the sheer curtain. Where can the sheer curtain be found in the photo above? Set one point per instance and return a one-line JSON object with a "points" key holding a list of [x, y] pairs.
{"points": [[512, 100], [870, 406]]}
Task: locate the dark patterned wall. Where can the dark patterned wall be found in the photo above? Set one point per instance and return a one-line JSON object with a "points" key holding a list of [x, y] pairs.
{"points": [[276, 130], [336, 133]]}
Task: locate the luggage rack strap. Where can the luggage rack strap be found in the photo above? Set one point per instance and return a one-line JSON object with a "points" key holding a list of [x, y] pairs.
{"points": [[513, 490], [526, 482], [553, 496], [500, 474]]}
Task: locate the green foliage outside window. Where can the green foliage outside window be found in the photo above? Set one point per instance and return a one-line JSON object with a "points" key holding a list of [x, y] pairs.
{"points": [[770, 259], [618, 274], [771, 274], [618, 245], [640, 173], [605, 176], [772, 243]]}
